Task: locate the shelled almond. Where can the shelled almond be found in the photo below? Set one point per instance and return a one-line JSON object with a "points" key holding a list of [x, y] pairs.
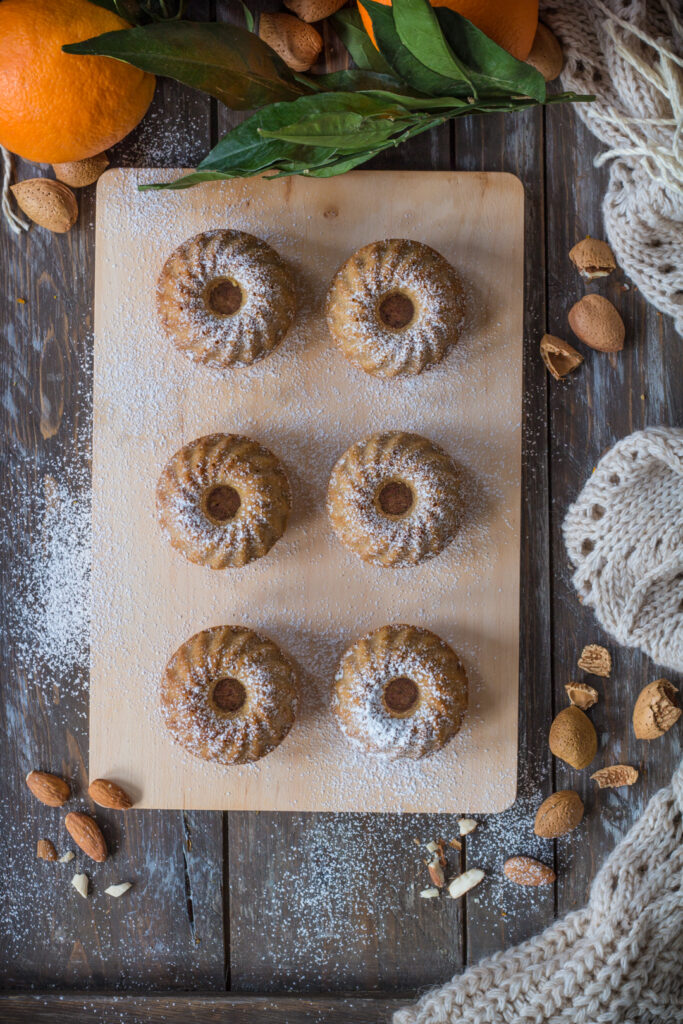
{"points": [[48, 788]]}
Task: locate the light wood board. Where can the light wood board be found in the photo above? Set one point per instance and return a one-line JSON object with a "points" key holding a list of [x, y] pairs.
{"points": [[307, 404]]}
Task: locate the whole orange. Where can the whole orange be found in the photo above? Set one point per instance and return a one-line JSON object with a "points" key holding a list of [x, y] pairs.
{"points": [[55, 106], [510, 23]]}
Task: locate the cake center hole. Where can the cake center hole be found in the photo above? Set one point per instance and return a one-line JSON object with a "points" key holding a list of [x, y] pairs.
{"points": [[224, 297], [400, 695], [396, 311], [395, 498], [221, 503], [229, 695]]}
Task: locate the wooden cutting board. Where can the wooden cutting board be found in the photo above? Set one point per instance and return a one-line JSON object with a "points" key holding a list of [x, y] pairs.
{"points": [[308, 405]]}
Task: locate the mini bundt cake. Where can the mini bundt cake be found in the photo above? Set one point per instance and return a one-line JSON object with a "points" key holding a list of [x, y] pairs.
{"points": [[229, 695], [400, 691], [394, 499], [395, 307], [223, 501], [225, 298]]}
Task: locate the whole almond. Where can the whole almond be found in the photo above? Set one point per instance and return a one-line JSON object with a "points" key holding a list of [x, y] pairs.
{"points": [[299, 45], [546, 53], [656, 710], [559, 814], [596, 322], [87, 834], [45, 850], [572, 737], [51, 204], [109, 794], [49, 789], [592, 258], [527, 871], [581, 694], [615, 775], [559, 356], [80, 173], [314, 10]]}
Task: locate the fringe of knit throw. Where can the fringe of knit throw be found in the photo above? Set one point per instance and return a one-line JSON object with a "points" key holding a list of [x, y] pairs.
{"points": [[617, 961], [629, 54]]}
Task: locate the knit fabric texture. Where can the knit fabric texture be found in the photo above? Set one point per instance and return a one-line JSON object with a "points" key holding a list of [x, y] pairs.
{"points": [[617, 961], [629, 54], [624, 536]]}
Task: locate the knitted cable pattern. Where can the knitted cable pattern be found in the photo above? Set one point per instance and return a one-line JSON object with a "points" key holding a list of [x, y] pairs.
{"points": [[617, 961], [624, 536], [629, 54]]}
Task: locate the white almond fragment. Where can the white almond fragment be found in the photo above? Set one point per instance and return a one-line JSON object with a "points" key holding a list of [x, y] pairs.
{"points": [[436, 873], [466, 825], [80, 884], [118, 889], [67, 857], [463, 883], [429, 894], [432, 847]]}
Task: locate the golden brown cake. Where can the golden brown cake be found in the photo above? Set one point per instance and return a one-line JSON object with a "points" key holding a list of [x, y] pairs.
{"points": [[395, 307], [394, 499], [400, 691], [225, 298], [223, 501], [229, 695]]}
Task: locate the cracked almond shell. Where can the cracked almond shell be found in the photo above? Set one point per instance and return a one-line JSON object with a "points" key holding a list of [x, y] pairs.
{"points": [[615, 775], [298, 44], [546, 53], [559, 356], [596, 322], [582, 695], [573, 738], [559, 814], [656, 710], [592, 258]]}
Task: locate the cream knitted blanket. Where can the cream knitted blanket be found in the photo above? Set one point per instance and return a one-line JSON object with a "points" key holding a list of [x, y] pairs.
{"points": [[617, 961], [629, 54]]}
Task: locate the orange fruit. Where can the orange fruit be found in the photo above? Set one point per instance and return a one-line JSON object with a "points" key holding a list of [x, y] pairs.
{"points": [[56, 107], [510, 23]]}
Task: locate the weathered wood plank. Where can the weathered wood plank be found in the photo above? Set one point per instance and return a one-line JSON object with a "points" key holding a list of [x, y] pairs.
{"points": [[79, 1008], [606, 399]]}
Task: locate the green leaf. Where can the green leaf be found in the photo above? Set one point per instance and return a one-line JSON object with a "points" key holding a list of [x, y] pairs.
{"points": [[419, 31], [352, 80], [491, 68], [139, 11], [350, 29], [405, 65], [226, 61], [347, 132]]}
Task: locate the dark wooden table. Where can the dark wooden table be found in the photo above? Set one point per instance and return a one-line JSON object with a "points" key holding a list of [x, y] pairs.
{"points": [[258, 916]]}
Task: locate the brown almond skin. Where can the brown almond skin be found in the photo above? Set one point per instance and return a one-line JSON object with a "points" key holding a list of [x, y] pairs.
{"points": [[559, 814], [573, 738], [596, 322], [109, 794], [48, 788], [656, 710], [45, 850], [546, 53], [527, 871], [86, 833], [314, 10]]}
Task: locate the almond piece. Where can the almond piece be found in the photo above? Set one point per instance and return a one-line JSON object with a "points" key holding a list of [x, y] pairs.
{"points": [[314, 10], [45, 850], [429, 894], [596, 322], [51, 204], [656, 710], [466, 825], [67, 857], [108, 794], [559, 356], [80, 884], [87, 834], [615, 775], [573, 738], [79, 173], [559, 814], [596, 660], [299, 45], [463, 883], [49, 789], [527, 871], [592, 258], [436, 873], [582, 695], [546, 53], [118, 889]]}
